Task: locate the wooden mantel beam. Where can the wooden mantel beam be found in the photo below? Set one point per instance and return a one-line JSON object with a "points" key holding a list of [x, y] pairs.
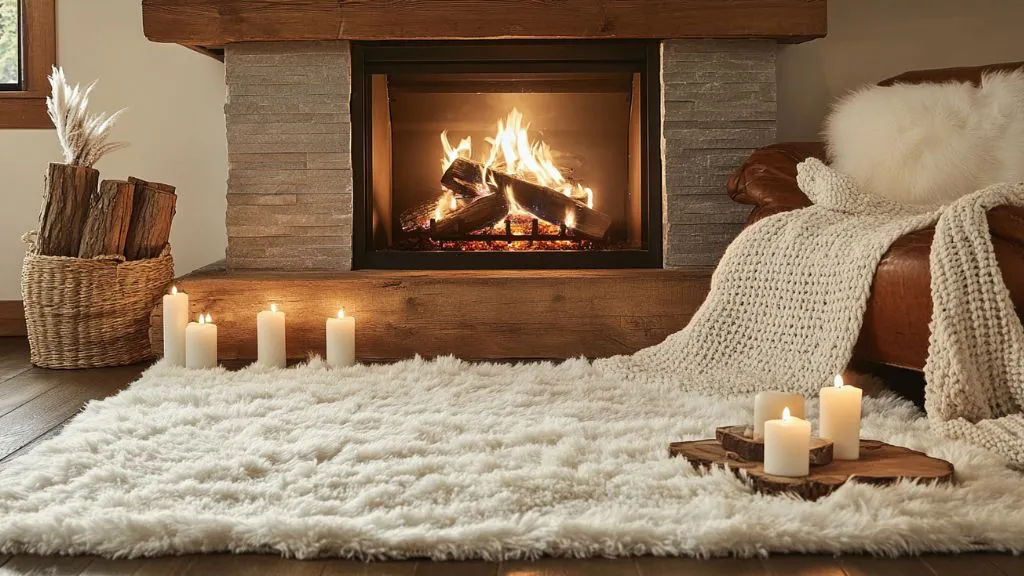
{"points": [[214, 23]]}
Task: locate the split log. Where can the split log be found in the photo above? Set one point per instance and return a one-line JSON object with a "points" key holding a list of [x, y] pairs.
{"points": [[152, 215], [66, 196], [880, 464], [110, 212], [541, 201], [740, 441], [483, 212]]}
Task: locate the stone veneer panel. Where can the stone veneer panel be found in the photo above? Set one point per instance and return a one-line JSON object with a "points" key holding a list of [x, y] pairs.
{"points": [[289, 155], [718, 105]]}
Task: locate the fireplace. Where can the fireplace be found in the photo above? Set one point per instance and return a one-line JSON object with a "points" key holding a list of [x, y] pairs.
{"points": [[506, 155]]}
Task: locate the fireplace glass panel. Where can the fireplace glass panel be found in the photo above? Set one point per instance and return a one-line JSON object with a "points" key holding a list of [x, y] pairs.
{"points": [[490, 159]]}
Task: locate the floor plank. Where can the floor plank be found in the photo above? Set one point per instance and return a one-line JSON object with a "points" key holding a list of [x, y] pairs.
{"points": [[13, 357], [874, 566], [458, 569], [25, 565], [26, 386], [13, 456], [651, 566], [250, 564], [1008, 563], [963, 565], [570, 567], [108, 567], [800, 565], [165, 566], [34, 418], [400, 568]]}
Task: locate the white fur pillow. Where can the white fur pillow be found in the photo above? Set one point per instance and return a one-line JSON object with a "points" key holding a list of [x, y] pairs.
{"points": [[930, 143]]}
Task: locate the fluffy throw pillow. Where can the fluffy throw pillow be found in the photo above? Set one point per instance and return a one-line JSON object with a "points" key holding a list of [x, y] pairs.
{"points": [[929, 144]]}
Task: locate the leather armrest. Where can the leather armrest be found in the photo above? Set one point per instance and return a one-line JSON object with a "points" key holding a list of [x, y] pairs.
{"points": [[1007, 223], [767, 179]]}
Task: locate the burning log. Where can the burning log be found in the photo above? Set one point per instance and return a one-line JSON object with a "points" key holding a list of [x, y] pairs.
{"points": [[483, 212], [541, 201]]}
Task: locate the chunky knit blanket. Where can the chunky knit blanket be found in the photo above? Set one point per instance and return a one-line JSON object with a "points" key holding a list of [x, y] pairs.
{"points": [[788, 299]]}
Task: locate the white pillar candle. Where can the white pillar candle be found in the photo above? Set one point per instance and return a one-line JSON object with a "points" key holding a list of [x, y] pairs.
{"points": [[769, 405], [839, 419], [175, 320], [201, 343], [787, 446], [341, 340], [270, 344]]}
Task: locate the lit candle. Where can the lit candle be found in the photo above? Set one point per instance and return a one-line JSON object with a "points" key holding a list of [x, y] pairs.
{"points": [[787, 446], [769, 405], [839, 419], [201, 343], [341, 340], [175, 321], [270, 345]]}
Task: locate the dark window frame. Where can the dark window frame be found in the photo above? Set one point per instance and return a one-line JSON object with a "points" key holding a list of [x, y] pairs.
{"points": [[25, 107]]}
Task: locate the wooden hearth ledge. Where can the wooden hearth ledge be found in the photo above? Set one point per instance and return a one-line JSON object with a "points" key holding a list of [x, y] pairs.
{"points": [[479, 314], [213, 23]]}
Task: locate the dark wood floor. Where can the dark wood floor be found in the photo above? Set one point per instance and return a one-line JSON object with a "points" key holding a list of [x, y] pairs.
{"points": [[35, 403]]}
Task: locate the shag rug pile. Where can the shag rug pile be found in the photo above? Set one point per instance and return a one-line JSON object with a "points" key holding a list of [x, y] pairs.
{"points": [[446, 459]]}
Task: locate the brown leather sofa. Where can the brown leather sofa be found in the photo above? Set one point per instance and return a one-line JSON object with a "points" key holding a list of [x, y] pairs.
{"points": [[895, 329]]}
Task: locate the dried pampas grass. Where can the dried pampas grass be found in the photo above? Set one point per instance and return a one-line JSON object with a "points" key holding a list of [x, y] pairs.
{"points": [[83, 136]]}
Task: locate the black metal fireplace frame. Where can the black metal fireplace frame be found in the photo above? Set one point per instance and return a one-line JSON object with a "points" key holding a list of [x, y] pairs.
{"points": [[370, 58]]}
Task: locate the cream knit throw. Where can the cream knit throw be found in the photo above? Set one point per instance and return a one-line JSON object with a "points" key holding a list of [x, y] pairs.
{"points": [[788, 298]]}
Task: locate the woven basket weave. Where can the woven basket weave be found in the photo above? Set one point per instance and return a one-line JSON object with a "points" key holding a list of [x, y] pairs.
{"points": [[87, 313]]}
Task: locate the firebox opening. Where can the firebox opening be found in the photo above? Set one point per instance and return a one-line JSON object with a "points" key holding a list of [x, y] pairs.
{"points": [[505, 158]]}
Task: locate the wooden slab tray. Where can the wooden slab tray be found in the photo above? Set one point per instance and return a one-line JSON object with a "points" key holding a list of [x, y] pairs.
{"points": [[880, 464]]}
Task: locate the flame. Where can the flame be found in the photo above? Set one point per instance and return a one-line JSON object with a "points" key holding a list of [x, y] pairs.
{"points": [[174, 290], [512, 151], [273, 307], [454, 204], [785, 414], [838, 381], [341, 312], [464, 150], [201, 320], [570, 218]]}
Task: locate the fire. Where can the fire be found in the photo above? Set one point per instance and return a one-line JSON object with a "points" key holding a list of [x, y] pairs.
{"points": [[570, 218], [512, 151]]}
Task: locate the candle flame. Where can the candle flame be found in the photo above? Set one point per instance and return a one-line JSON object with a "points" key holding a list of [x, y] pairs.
{"points": [[209, 319], [341, 312], [785, 414], [838, 381], [273, 307], [202, 319], [174, 290]]}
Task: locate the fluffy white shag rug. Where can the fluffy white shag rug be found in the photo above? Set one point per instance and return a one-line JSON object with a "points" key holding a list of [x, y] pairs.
{"points": [[446, 459], [929, 144]]}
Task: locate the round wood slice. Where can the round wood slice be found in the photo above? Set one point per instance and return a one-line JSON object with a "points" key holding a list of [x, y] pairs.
{"points": [[740, 439], [880, 464]]}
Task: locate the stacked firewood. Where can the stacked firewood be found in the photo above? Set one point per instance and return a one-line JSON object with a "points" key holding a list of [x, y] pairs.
{"points": [[488, 195], [83, 217]]}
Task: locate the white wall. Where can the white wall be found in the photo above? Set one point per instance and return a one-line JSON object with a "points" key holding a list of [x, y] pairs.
{"points": [[869, 40], [175, 121], [174, 125]]}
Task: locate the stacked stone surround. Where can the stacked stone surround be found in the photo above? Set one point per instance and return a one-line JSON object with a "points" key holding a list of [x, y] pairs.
{"points": [[289, 155], [718, 106], [289, 149]]}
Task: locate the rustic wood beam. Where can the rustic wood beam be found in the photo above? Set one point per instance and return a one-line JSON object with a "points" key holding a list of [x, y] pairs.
{"points": [[214, 23], [474, 314]]}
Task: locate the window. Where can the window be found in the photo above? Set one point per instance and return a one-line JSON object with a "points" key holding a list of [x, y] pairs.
{"points": [[27, 52], [10, 45]]}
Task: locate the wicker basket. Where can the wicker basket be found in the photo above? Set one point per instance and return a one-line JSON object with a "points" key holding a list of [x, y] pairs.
{"points": [[87, 313]]}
